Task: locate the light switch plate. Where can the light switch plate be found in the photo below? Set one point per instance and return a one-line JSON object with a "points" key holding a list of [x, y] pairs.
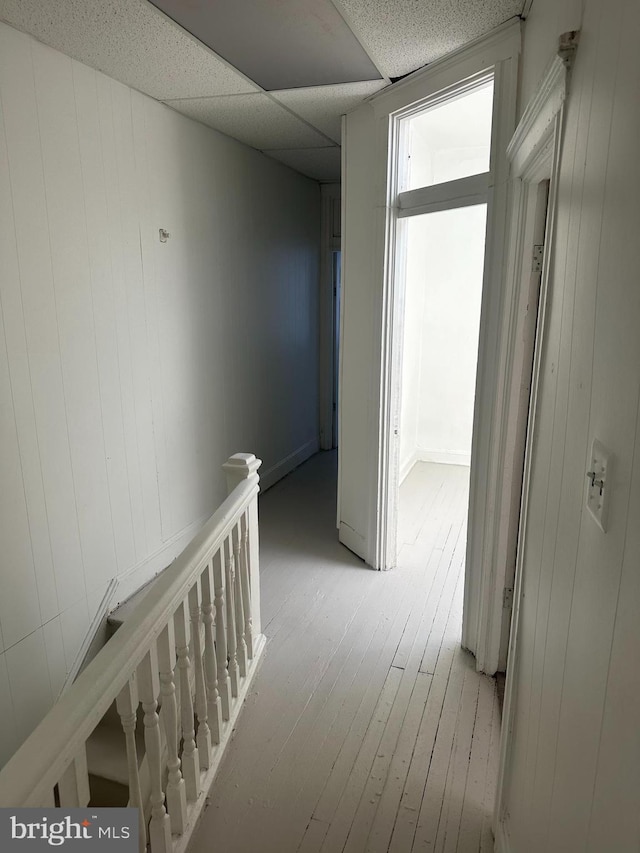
{"points": [[599, 484]]}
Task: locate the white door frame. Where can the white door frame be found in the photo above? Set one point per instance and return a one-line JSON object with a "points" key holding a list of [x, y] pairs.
{"points": [[499, 51], [491, 370], [487, 611], [534, 153]]}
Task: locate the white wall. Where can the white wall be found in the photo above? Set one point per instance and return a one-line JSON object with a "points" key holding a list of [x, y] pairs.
{"points": [[443, 291], [131, 369], [575, 780]]}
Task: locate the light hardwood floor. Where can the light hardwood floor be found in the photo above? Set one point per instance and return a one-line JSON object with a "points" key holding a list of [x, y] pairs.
{"points": [[367, 728]]}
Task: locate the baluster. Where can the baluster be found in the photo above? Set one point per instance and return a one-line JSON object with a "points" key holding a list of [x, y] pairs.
{"points": [[190, 762], [224, 683], [149, 687], [176, 791], [239, 468], [245, 578], [232, 648], [214, 705], [73, 786], [204, 734], [127, 706], [239, 608]]}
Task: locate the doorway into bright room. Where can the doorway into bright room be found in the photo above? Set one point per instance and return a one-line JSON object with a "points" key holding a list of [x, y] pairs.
{"points": [[441, 258]]}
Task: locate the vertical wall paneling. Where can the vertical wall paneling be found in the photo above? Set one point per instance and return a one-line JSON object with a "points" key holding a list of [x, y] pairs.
{"points": [[574, 751], [131, 369], [92, 144], [65, 211]]}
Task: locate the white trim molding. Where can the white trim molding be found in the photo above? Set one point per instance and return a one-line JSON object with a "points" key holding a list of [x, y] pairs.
{"points": [[534, 152], [530, 147], [537, 121], [272, 475]]}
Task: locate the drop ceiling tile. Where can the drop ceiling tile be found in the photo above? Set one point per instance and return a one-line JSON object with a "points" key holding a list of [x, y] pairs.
{"points": [[323, 106], [256, 120], [281, 44], [321, 164], [131, 41], [401, 37]]}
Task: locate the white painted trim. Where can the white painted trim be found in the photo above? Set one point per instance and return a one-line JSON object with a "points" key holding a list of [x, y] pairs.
{"points": [[407, 466], [489, 368], [288, 464], [97, 622], [536, 142], [460, 193], [444, 457], [437, 457], [536, 123]]}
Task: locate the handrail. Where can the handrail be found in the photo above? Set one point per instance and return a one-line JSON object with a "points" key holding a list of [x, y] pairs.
{"points": [[38, 765]]}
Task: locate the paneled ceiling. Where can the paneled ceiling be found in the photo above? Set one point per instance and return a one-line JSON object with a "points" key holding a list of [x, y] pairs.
{"points": [[274, 74]]}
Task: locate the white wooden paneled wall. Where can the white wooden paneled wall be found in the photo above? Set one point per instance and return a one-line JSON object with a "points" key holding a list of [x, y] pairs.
{"points": [[574, 781], [129, 368]]}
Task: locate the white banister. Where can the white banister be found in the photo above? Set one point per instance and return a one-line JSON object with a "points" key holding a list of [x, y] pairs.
{"points": [[232, 640], [204, 734], [127, 707], [246, 583], [224, 682], [241, 643], [176, 791], [243, 468], [214, 705], [180, 643], [190, 758], [149, 688]]}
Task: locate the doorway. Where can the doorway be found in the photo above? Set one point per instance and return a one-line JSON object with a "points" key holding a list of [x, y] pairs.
{"points": [[440, 247]]}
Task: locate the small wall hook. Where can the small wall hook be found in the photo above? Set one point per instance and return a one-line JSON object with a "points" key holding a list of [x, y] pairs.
{"points": [[164, 235]]}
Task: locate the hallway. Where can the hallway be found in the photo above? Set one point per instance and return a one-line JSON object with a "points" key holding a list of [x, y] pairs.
{"points": [[367, 727]]}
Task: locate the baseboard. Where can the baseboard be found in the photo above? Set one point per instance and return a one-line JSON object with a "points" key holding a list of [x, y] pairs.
{"points": [[180, 843], [443, 457], [407, 465], [271, 476], [501, 838]]}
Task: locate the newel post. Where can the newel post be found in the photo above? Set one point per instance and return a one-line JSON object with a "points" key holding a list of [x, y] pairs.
{"points": [[239, 467]]}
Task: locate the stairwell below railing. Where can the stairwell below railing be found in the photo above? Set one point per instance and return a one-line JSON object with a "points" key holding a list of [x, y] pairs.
{"points": [[184, 660]]}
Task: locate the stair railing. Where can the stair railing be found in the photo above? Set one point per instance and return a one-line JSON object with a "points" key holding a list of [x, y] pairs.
{"points": [[192, 646]]}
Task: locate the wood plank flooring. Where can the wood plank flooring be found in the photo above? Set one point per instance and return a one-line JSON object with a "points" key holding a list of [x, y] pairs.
{"points": [[367, 728]]}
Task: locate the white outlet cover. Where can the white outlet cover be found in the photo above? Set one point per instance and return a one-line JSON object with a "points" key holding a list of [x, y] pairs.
{"points": [[599, 484]]}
